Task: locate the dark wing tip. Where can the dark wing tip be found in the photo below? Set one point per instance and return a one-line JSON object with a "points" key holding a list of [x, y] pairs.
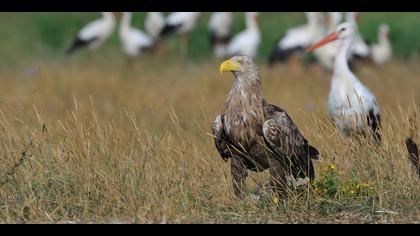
{"points": [[374, 121], [313, 152], [169, 29], [413, 152], [77, 44]]}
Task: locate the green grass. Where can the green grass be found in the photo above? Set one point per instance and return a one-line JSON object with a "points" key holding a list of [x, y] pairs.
{"points": [[28, 37]]}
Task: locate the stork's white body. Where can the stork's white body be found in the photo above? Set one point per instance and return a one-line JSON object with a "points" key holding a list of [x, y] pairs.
{"points": [[185, 20], [132, 40], [100, 30], [154, 23], [248, 41], [349, 102], [304, 35], [382, 51]]}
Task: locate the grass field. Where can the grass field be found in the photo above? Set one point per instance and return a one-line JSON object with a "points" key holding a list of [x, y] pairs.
{"points": [[90, 139]]}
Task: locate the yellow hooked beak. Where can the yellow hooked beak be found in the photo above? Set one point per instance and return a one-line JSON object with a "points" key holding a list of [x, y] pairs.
{"points": [[229, 65]]}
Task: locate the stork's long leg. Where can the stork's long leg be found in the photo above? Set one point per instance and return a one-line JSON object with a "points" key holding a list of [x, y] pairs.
{"points": [[239, 174]]}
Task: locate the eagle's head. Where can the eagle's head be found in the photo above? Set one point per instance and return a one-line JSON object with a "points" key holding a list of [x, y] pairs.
{"points": [[242, 66]]}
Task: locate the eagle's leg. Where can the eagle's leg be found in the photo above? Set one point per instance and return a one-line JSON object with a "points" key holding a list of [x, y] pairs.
{"points": [[278, 175], [239, 174]]}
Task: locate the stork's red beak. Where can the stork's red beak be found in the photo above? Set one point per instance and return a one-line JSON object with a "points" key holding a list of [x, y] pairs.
{"points": [[329, 38]]}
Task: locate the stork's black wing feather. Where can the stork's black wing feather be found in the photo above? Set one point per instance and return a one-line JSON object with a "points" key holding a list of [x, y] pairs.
{"points": [[169, 29], [79, 43], [374, 122]]}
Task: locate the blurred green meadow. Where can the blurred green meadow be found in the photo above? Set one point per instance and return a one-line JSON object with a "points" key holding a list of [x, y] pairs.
{"points": [[45, 36]]}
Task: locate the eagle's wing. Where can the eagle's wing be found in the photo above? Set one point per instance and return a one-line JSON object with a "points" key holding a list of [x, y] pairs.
{"points": [[220, 138], [285, 139]]}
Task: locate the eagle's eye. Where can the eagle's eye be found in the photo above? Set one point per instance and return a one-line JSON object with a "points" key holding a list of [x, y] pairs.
{"points": [[240, 62]]}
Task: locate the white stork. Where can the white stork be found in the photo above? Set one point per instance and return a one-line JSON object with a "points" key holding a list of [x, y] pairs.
{"points": [[382, 51], [133, 40], [94, 34], [299, 38], [351, 105], [248, 41], [154, 23], [220, 26], [181, 23]]}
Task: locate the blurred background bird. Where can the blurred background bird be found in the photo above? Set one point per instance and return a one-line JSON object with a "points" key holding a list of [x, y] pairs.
{"points": [[133, 40], [359, 49], [296, 40], [94, 34], [181, 23], [381, 52], [223, 44], [248, 41], [220, 26], [154, 23]]}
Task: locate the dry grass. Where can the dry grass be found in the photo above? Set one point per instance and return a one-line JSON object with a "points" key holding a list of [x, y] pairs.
{"points": [[103, 143]]}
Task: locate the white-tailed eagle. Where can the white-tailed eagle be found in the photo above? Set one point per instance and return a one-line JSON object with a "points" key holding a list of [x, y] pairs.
{"points": [[256, 135]]}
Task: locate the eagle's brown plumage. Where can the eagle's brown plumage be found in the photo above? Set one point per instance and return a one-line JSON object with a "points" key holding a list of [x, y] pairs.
{"points": [[256, 135]]}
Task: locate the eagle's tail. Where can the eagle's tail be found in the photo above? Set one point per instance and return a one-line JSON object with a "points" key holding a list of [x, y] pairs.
{"points": [[302, 166], [304, 169], [313, 152], [311, 171]]}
